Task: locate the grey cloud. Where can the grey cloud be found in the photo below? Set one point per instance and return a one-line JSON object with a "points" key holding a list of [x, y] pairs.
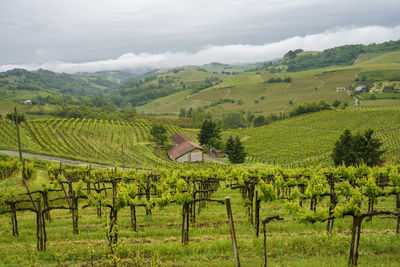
{"points": [[239, 53], [90, 30]]}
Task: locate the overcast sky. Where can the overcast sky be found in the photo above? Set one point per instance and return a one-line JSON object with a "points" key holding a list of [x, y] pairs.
{"points": [[91, 35]]}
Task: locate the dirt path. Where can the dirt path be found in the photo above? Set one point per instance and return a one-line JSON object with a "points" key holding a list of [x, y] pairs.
{"points": [[357, 60], [321, 81]]}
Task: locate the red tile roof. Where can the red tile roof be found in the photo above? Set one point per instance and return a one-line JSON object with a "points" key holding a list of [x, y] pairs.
{"points": [[183, 146], [180, 138]]}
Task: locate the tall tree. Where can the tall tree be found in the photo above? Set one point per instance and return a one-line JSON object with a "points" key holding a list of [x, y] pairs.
{"points": [[356, 149], [209, 129], [342, 151], [229, 145], [237, 154], [159, 133]]}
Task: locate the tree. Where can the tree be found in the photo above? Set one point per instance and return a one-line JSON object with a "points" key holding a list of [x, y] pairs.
{"points": [[336, 103], [209, 129], [355, 149], [229, 145], [11, 116], [237, 154], [159, 133], [233, 120], [259, 121], [182, 113], [217, 143]]}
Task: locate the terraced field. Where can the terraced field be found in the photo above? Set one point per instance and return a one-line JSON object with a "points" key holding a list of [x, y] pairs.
{"points": [[100, 141]]}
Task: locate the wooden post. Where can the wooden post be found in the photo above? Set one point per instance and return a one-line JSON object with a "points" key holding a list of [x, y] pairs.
{"points": [[133, 217], [14, 219], [398, 210], [193, 208], [232, 228], [185, 223], [46, 205], [257, 215], [39, 226], [19, 142], [114, 213], [75, 214], [265, 245], [148, 211]]}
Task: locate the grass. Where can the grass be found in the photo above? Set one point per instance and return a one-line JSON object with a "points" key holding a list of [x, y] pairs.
{"points": [[289, 243]]}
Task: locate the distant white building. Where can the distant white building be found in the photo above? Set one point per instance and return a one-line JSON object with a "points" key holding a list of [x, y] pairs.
{"points": [[26, 101], [360, 88]]}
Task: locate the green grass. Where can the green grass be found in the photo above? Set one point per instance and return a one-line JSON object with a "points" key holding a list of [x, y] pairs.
{"points": [[289, 242]]}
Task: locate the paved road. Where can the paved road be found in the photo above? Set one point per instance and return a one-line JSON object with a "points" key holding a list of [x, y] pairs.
{"points": [[75, 162], [208, 158], [68, 161]]}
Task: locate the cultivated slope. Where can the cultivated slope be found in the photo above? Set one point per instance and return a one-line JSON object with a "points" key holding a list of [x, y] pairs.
{"points": [[90, 140], [309, 139]]}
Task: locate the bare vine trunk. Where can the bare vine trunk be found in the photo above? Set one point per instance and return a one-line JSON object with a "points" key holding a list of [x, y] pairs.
{"points": [[355, 240]]}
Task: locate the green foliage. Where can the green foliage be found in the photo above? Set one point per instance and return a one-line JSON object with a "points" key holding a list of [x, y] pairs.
{"points": [[267, 192], [259, 121], [209, 129], [233, 120], [235, 151], [342, 55], [354, 150], [310, 107], [11, 116], [7, 168], [159, 133]]}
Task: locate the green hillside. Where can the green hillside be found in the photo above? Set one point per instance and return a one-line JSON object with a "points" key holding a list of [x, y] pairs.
{"points": [[256, 94], [91, 140], [309, 138]]}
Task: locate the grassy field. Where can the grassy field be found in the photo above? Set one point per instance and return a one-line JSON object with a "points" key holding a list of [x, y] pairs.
{"points": [[289, 242], [306, 86], [90, 140], [309, 138]]}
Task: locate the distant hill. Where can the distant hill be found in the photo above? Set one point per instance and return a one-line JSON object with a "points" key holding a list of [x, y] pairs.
{"points": [[20, 79], [115, 76], [338, 56]]}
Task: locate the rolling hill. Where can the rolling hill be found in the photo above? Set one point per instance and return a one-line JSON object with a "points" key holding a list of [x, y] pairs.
{"points": [[90, 140]]}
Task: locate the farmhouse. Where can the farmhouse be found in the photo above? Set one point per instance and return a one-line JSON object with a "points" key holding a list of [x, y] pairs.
{"points": [[340, 89], [360, 88], [26, 101], [185, 150]]}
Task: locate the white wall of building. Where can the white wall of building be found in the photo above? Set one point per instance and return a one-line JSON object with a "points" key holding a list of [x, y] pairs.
{"points": [[183, 158], [197, 156], [194, 157]]}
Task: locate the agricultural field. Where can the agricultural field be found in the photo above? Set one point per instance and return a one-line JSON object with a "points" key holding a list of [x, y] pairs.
{"points": [[309, 138], [89, 140], [265, 98], [157, 240]]}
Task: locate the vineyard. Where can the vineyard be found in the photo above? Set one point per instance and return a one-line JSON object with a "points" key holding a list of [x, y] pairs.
{"points": [[309, 139], [90, 140], [177, 217]]}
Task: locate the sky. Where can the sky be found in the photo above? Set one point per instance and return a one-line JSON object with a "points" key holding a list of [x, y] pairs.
{"points": [[92, 35]]}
